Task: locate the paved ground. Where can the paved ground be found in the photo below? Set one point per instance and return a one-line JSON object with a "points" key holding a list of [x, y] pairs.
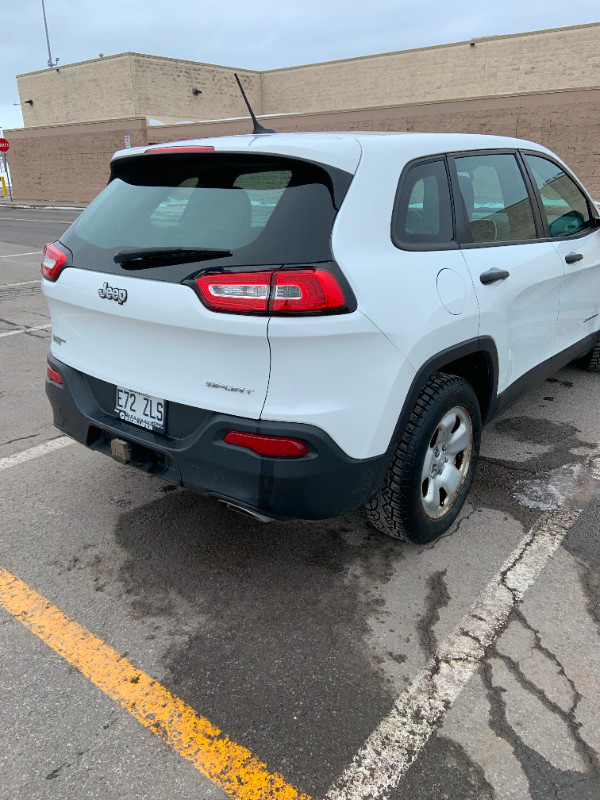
{"points": [[301, 641]]}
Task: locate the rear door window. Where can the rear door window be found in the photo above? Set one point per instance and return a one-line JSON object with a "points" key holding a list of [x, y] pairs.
{"points": [[565, 206], [496, 202]]}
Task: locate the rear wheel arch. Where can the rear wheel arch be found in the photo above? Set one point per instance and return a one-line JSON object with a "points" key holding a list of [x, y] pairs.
{"points": [[480, 370], [475, 360]]}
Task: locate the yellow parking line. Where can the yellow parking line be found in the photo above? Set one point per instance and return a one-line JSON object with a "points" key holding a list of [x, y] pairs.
{"points": [[213, 753]]}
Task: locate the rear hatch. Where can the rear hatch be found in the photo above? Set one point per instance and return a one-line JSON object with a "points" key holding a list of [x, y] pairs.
{"points": [[124, 307]]}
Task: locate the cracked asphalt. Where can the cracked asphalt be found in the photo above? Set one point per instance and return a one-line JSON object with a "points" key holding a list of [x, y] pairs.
{"points": [[295, 638]]}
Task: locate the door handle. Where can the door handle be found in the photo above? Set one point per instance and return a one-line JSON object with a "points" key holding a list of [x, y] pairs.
{"points": [[493, 275], [571, 258]]}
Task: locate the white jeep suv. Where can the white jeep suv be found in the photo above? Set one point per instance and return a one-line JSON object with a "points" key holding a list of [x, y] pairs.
{"points": [[301, 324]]}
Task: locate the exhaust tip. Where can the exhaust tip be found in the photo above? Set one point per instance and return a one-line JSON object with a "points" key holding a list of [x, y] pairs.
{"points": [[246, 511]]}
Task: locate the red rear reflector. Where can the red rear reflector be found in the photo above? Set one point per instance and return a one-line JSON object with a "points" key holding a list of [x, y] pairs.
{"points": [[175, 149], [308, 289], [277, 446], [53, 375], [52, 262], [239, 291]]}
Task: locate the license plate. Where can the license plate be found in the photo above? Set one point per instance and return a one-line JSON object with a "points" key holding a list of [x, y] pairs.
{"points": [[140, 409]]}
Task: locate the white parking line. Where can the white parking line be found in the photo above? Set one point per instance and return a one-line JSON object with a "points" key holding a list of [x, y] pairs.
{"points": [[395, 744], [25, 330], [35, 452], [17, 255]]}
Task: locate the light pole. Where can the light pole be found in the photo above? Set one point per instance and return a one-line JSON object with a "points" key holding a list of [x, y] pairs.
{"points": [[51, 63]]}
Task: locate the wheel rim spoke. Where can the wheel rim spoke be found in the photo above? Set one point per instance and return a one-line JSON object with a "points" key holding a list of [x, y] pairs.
{"points": [[459, 440], [445, 426], [428, 463], [431, 499], [450, 480]]}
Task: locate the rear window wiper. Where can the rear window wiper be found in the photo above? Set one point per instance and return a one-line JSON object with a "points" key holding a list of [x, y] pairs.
{"points": [[148, 257]]}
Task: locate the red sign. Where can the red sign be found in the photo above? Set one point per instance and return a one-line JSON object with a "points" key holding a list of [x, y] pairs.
{"points": [[4, 145]]}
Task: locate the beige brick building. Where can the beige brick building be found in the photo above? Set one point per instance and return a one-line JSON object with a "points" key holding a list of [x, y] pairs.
{"points": [[543, 85]]}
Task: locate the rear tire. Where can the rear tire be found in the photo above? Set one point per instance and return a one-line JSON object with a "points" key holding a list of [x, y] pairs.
{"points": [[591, 361], [432, 470]]}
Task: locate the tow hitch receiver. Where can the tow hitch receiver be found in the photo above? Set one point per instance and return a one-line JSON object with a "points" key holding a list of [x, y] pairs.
{"points": [[120, 450]]}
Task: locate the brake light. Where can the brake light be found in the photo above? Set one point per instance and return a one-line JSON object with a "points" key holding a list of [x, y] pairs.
{"points": [[53, 375], [304, 290], [175, 149], [276, 446], [52, 262]]}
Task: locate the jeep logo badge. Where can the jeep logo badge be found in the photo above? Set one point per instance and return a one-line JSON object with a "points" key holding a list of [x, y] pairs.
{"points": [[112, 293]]}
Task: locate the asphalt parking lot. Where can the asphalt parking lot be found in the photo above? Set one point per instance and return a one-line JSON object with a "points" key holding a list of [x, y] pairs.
{"points": [[157, 645]]}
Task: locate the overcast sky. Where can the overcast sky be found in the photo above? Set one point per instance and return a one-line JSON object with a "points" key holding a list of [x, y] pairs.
{"points": [[262, 34]]}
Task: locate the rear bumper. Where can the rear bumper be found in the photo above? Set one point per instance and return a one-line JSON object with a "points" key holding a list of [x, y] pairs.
{"points": [[193, 453]]}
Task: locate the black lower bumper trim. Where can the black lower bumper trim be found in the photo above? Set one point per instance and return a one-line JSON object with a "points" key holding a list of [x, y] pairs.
{"points": [[193, 453]]}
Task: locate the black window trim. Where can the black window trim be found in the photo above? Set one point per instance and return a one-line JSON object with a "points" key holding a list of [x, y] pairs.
{"points": [[464, 236], [592, 208], [422, 246]]}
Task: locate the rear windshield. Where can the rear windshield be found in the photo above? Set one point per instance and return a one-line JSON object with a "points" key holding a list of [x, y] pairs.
{"points": [[263, 210]]}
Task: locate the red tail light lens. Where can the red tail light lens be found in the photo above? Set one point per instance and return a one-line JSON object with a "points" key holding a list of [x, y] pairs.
{"points": [[242, 291], [53, 375], [305, 290], [276, 446], [52, 262]]}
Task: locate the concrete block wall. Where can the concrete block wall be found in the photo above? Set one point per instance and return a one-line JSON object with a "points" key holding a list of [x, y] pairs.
{"points": [[163, 88], [131, 84], [97, 89], [564, 58], [68, 163]]}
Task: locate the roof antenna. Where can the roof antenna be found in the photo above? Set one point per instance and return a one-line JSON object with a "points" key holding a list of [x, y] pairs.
{"points": [[258, 128]]}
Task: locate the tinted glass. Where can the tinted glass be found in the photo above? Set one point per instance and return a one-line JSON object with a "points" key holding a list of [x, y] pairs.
{"points": [[265, 210], [424, 213], [495, 198], [565, 206]]}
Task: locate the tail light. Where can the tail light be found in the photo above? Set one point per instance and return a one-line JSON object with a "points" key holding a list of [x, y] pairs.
{"points": [[53, 375], [52, 262], [277, 446], [304, 290], [241, 291]]}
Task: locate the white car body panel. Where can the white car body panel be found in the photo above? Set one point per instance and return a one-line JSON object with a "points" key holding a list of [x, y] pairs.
{"points": [[520, 313], [397, 289], [162, 341], [341, 374], [579, 314]]}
